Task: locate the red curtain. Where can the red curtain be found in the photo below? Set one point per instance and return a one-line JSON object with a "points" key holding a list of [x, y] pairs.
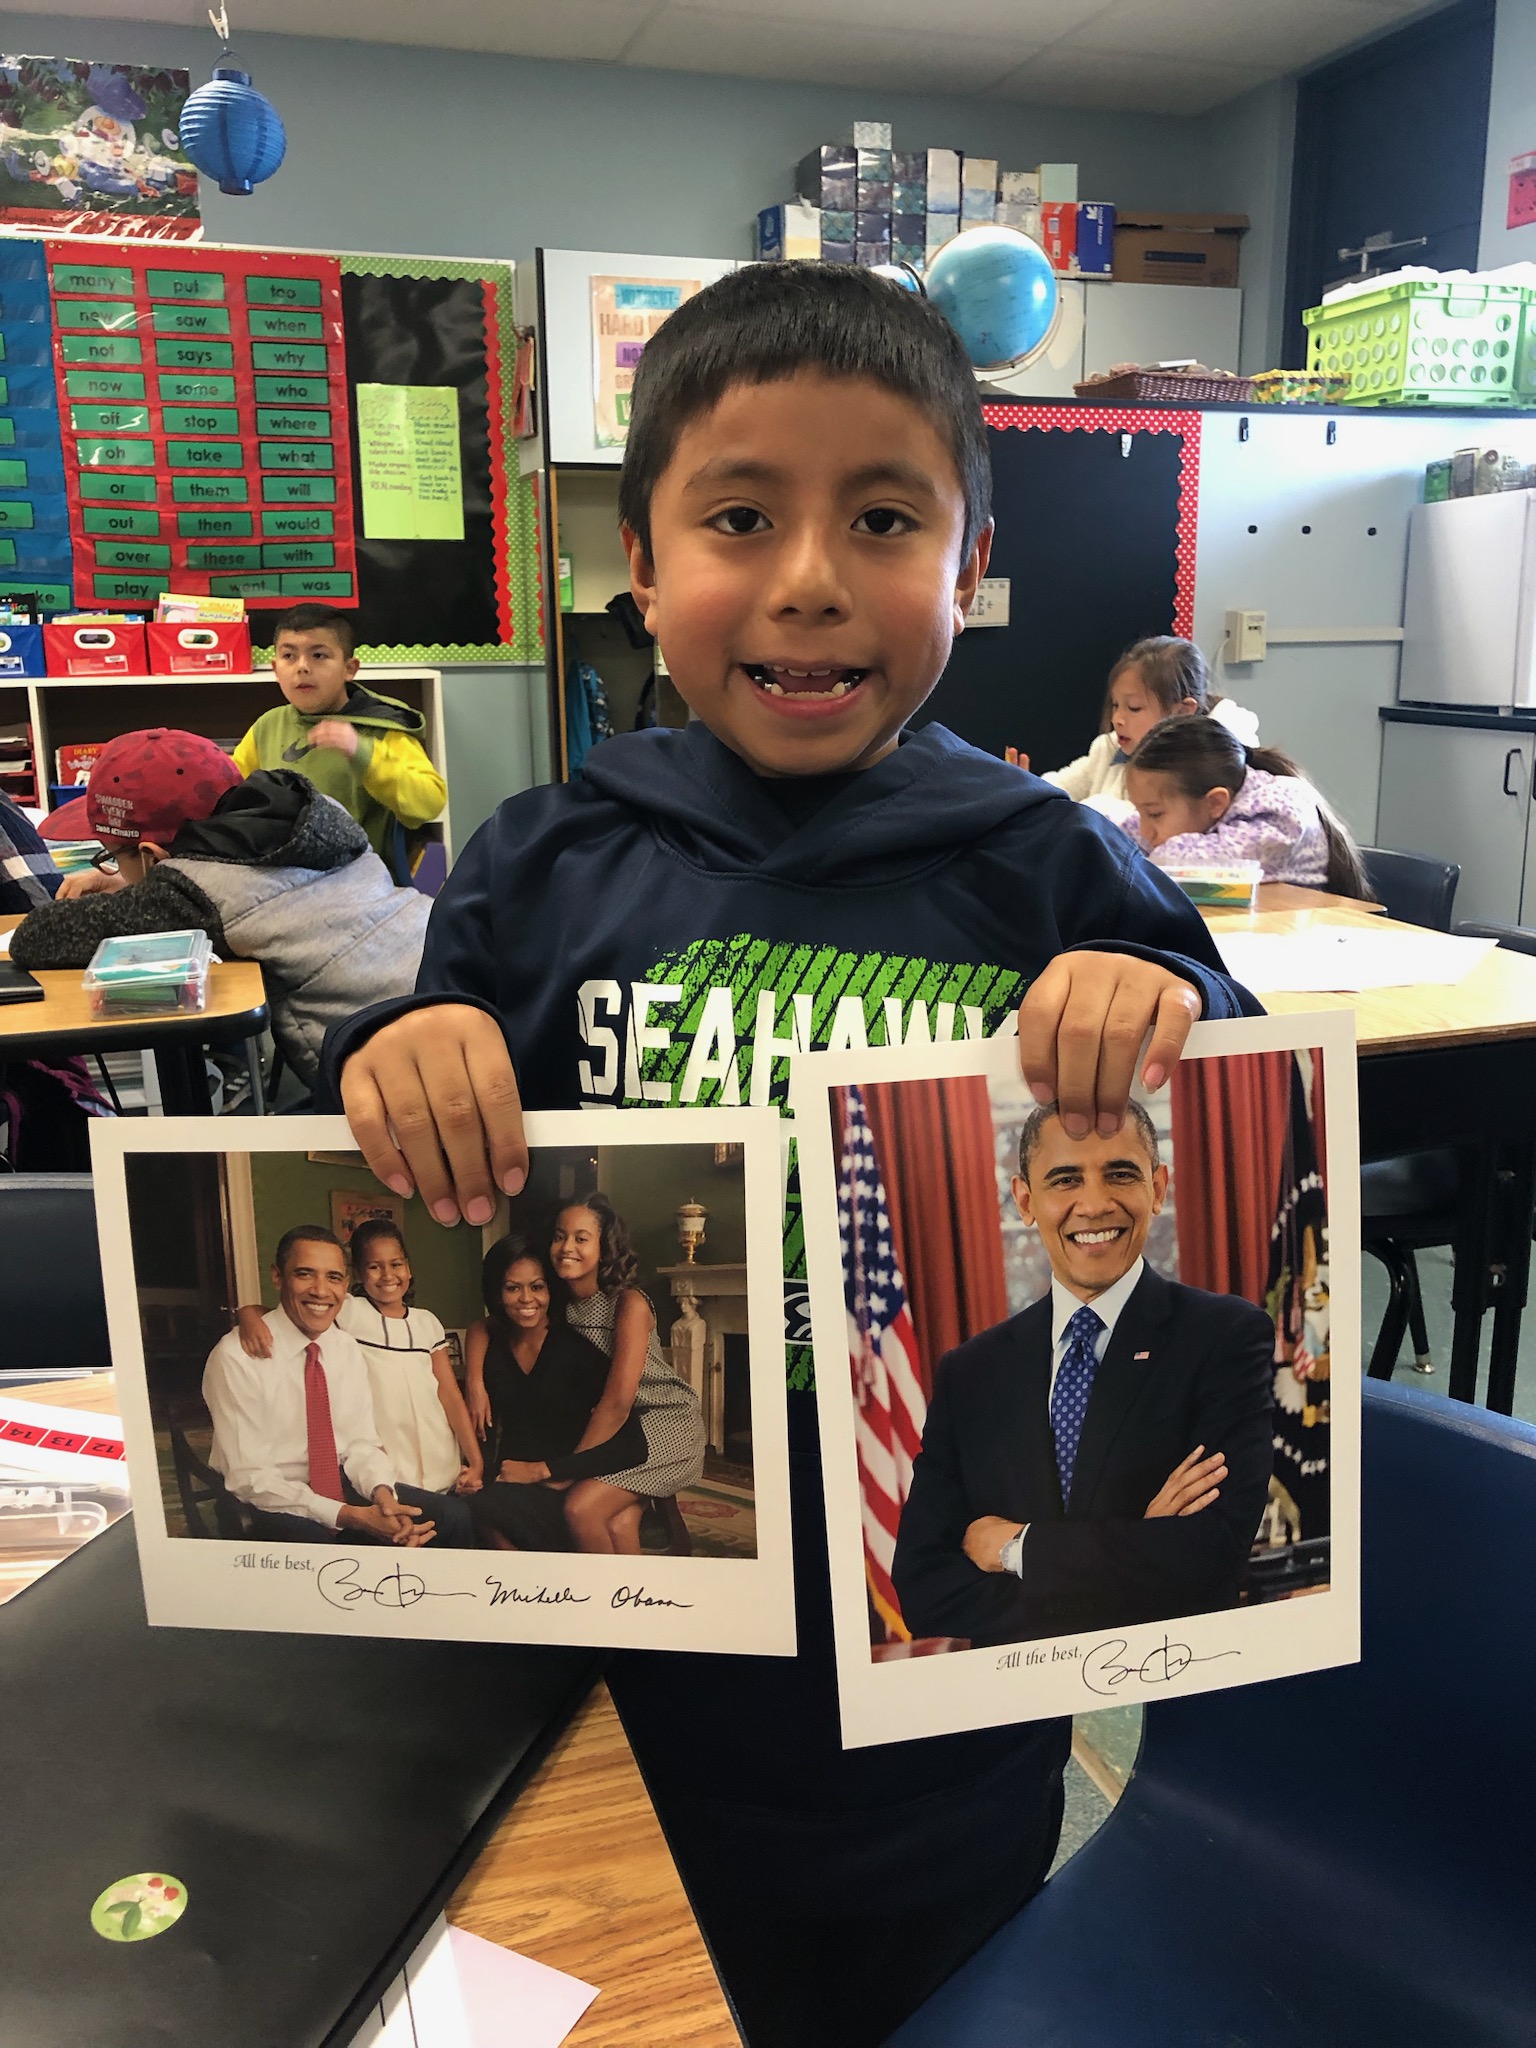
{"points": [[934, 1143], [1230, 1118]]}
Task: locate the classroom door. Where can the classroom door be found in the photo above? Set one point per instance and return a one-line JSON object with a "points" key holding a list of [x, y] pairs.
{"points": [[1088, 538], [1390, 143]]}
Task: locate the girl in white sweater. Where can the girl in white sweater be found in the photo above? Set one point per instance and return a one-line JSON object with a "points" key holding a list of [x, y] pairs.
{"points": [[1156, 679]]}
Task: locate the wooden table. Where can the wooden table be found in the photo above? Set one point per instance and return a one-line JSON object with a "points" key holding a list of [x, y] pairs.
{"points": [[63, 1023], [1450, 1067], [1290, 896], [578, 1875]]}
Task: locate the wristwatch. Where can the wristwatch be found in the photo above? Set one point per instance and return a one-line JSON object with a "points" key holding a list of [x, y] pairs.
{"points": [[1011, 1557]]}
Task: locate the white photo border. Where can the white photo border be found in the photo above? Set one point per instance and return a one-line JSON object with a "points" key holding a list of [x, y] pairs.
{"points": [[906, 1699], [740, 1606]]}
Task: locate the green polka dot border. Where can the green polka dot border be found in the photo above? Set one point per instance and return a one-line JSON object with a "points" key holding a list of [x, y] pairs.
{"points": [[137, 1908]]}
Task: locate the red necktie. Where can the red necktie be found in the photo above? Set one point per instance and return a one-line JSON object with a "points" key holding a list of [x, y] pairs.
{"points": [[324, 1470]]}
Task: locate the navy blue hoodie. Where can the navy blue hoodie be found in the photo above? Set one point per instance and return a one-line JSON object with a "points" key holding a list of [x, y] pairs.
{"points": [[662, 931]]}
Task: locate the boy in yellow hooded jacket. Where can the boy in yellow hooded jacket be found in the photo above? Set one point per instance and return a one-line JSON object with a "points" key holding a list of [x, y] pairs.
{"points": [[358, 747]]}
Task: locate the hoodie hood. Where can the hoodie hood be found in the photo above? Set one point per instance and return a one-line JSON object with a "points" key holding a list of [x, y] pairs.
{"points": [[273, 819], [368, 711], [932, 795]]}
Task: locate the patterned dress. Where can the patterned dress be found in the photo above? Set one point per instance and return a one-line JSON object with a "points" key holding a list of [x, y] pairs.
{"points": [[668, 1407]]}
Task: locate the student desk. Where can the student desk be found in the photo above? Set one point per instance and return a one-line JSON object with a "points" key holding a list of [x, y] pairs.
{"points": [[62, 1023], [578, 1875], [1448, 1067]]}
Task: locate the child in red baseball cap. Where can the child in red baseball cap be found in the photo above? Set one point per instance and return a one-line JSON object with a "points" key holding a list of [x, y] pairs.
{"points": [[270, 868]]}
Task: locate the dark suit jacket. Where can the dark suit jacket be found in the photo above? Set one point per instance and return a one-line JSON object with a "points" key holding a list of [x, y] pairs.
{"points": [[1097, 1563]]}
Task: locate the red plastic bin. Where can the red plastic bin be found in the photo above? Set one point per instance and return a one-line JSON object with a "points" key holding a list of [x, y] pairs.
{"points": [[217, 648], [94, 650]]}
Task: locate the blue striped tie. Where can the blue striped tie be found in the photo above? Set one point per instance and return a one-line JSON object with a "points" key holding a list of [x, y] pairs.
{"points": [[1069, 1396]]}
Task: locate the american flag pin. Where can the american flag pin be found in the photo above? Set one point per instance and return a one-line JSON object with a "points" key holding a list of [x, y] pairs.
{"points": [[1141, 1354]]}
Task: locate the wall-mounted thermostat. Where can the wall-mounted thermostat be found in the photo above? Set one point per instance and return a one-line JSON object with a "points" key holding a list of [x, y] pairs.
{"points": [[1247, 637], [991, 605]]}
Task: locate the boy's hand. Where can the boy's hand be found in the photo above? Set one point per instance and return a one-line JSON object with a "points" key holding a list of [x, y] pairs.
{"points": [[88, 882], [1081, 1028], [433, 1103], [334, 732]]}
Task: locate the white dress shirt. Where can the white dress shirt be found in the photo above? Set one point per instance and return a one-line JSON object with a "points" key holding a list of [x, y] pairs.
{"points": [[260, 1432], [1064, 1306]]}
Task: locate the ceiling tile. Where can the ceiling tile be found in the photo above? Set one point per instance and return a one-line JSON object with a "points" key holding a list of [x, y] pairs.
{"points": [[1028, 23], [821, 52], [1216, 32], [1062, 77]]}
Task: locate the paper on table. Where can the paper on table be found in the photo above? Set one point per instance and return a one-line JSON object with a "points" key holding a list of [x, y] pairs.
{"points": [[5, 942], [458, 1991], [1327, 958]]}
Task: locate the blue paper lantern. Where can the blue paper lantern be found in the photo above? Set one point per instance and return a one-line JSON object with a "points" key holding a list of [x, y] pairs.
{"points": [[998, 291], [232, 132]]}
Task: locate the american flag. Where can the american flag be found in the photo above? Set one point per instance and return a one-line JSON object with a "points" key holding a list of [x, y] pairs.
{"points": [[889, 1409]]}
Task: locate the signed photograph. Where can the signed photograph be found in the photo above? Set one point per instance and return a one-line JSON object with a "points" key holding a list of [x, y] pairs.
{"points": [[566, 1427], [1092, 1433]]}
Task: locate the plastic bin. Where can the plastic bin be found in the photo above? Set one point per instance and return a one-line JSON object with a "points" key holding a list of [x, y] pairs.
{"points": [[158, 974], [21, 651], [94, 650], [1426, 342], [217, 647]]}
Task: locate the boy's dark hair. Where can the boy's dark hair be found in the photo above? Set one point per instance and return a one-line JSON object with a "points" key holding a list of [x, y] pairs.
{"points": [[303, 1233], [319, 618], [1200, 754], [1036, 1121], [371, 1231], [767, 321], [498, 1262]]}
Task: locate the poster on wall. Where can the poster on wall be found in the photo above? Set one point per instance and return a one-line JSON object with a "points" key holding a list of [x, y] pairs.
{"points": [[35, 551], [626, 312], [342, 1417], [203, 394], [95, 149], [1089, 1406]]}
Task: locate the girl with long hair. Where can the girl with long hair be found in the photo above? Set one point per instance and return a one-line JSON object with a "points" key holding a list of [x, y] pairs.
{"points": [[1157, 678]]}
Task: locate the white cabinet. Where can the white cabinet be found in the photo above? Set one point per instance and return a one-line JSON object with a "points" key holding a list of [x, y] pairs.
{"points": [[1460, 789], [1160, 323]]}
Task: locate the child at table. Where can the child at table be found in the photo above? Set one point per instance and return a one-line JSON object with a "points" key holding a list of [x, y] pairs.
{"points": [[1158, 678], [1203, 799]]}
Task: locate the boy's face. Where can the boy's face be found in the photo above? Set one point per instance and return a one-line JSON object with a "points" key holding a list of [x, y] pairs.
{"points": [[311, 670], [806, 578]]}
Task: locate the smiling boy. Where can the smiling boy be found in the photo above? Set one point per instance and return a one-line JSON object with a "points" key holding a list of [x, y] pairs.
{"points": [[806, 505], [1104, 1457]]}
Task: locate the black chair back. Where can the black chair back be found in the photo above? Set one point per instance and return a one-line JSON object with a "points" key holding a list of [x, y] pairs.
{"points": [[1519, 938], [51, 1304], [1412, 886]]}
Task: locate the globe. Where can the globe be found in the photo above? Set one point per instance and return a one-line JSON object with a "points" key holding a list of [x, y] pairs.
{"points": [[998, 291]]}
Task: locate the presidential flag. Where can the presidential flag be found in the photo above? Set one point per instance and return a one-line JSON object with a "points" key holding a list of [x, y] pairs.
{"points": [[889, 1408]]}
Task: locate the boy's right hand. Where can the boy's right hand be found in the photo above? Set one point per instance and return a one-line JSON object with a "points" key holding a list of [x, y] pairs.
{"points": [[433, 1103], [88, 882]]}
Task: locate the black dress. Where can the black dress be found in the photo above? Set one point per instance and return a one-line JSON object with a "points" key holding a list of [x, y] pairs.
{"points": [[539, 1416]]}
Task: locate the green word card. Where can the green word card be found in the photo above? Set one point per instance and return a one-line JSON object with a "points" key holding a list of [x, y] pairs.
{"points": [[287, 355], [316, 584], [177, 390], [180, 354], [201, 419], [224, 558], [285, 420], [299, 490], [282, 291], [100, 348], [89, 282], [131, 554], [297, 455], [109, 316], [289, 524], [185, 284], [104, 384], [13, 475], [115, 454], [190, 319], [267, 322], [109, 419], [204, 455], [117, 490], [250, 585], [119, 519], [15, 514], [214, 525], [293, 390], [302, 554], [129, 589], [210, 490]]}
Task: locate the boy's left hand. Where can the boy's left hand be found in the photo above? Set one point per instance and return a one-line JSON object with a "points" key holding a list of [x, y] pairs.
{"points": [[334, 732], [1081, 1028]]}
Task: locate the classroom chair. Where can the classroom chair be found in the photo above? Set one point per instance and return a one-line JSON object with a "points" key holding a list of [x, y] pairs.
{"points": [[1333, 1861], [1519, 938], [55, 1317], [1412, 886]]}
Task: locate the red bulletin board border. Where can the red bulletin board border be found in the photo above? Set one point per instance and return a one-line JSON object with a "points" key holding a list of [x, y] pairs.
{"points": [[235, 266], [499, 480], [1081, 419]]}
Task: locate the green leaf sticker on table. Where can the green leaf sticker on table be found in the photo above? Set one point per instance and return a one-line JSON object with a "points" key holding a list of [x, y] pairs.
{"points": [[109, 315], [204, 454], [100, 348], [16, 515], [115, 454], [178, 353], [200, 419], [408, 451], [104, 384], [282, 291], [109, 419], [213, 525], [117, 490], [288, 355], [297, 455], [299, 490], [91, 283], [140, 1907], [197, 390], [293, 391], [132, 554], [117, 519], [185, 284], [267, 321], [190, 319], [209, 490]]}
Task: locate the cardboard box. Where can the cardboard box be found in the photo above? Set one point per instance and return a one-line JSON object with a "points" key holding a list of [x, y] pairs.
{"points": [[208, 649], [789, 234], [1095, 238], [1026, 219], [1177, 248], [1058, 232], [827, 176], [1019, 188], [1057, 182], [943, 180], [979, 174], [95, 650]]}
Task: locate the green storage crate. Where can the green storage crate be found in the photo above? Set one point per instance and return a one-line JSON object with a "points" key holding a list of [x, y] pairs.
{"points": [[1427, 342]]}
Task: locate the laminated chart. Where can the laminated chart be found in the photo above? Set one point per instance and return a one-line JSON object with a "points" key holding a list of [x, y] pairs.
{"points": [[34, 508], [206, 443]]}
